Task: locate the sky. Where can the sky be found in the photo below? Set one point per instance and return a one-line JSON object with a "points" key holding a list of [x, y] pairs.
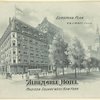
{"points": [[34, 13]]}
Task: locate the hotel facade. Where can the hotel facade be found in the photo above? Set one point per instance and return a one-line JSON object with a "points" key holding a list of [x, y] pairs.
{"points": [[24, 47]]}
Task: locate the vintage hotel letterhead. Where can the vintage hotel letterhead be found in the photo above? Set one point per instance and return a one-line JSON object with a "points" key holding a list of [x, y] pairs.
{"points": [[49, 50]]}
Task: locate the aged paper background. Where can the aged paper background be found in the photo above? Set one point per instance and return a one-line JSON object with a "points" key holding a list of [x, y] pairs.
{"points": [[86, 90]]}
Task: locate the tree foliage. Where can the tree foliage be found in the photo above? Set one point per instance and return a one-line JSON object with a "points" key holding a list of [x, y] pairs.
{"points": [[77, 54], [59, 53]]}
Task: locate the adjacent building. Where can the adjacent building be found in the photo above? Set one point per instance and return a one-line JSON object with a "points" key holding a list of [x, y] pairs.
{"points": [[95, 49]]}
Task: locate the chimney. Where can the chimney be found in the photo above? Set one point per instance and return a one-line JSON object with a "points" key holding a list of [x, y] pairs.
{"points": [[45, 19], [10, 20]]}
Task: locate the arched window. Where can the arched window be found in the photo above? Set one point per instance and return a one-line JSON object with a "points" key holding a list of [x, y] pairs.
{"points": [[14, 42]]}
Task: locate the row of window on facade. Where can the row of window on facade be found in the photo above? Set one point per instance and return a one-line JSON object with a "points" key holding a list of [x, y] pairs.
{"points": [[31, 61], [26, 29], [26, 45], [23, 61], [8, 54], [32, 53], [24, 38], [19, 45], [30, 41]]}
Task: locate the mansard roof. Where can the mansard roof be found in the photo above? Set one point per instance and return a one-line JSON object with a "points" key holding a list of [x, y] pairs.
{"points": [[6, 33], [51, 28], [29, 30], [19, 26]]}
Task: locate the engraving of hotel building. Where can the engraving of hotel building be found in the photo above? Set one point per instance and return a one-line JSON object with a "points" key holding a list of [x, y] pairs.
{"points": [[24, 47]]}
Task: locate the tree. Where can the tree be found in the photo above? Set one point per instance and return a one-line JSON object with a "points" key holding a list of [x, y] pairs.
{"points": [[94, 63], [99, 65], [77, 55], [64, 55], [59, 53], [90, 63]]}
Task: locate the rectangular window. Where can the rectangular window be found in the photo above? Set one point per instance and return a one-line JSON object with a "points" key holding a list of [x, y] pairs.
{"points": [[36, 48], [25, 60], [13, 35], [37, 55], [41, 61], [14, 52], [37, 51], [31, 61], [30, 41], [14, 61], [25, 52], [13, 44], [19, 60], [31, 47], [36, 43], [18, 45], [31, 54]]}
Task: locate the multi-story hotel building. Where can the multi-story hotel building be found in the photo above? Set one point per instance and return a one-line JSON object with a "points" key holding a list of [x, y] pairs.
{"points": [[23, 46]]}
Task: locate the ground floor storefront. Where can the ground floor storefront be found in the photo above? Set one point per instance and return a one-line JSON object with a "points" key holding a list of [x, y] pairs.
{"points": [[23, 68]]}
